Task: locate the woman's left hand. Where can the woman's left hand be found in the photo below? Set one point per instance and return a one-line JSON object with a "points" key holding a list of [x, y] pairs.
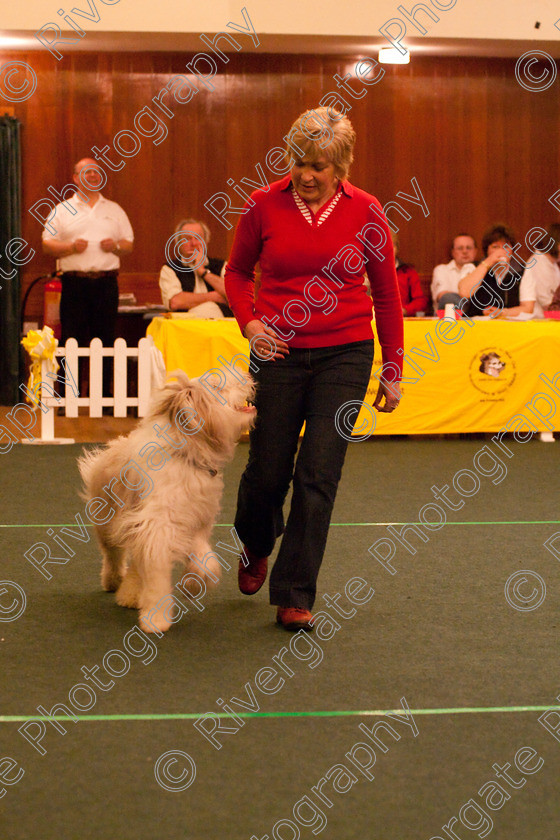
{"points": [[256, 333], [392, 393]]}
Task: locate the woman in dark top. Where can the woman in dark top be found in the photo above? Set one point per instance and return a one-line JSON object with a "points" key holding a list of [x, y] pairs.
{"points": [[494, 284]]}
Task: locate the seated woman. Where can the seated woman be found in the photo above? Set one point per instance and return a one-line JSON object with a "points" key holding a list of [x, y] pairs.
{"points": [[554, 305], [541, 277], [413, 297], [494, 283], [188, 282]]}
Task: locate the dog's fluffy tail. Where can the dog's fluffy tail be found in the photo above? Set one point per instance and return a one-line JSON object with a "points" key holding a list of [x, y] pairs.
{"points": [[88, 465]]}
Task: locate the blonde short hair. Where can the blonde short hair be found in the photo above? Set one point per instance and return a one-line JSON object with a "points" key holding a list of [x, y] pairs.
{"points": [[323, 132]]}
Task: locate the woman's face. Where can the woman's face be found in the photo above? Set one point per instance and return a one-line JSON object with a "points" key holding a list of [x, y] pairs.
{"points": [[314, 180], [498, 246]]}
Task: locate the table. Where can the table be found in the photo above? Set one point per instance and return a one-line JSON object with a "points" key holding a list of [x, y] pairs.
{"points": [[465, 376]]}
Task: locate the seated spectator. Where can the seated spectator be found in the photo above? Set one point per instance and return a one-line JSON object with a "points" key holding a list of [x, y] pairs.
{"points": [[200, 289], [554, 305], [445, 279], [541, 278], [494, 283], [413, 298]]}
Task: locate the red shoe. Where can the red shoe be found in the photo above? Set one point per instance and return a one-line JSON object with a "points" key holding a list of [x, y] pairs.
{"points": [[252, 572], [294, 618]]}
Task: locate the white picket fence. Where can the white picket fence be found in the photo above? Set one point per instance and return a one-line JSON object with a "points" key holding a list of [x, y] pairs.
{"points": [[149, 373]]}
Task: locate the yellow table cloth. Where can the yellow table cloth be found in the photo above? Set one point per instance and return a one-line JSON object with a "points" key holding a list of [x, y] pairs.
{"points": [[472, 376]]}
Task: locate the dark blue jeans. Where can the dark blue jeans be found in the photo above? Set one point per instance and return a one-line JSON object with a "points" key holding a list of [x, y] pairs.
{"points": [[307, 386]]}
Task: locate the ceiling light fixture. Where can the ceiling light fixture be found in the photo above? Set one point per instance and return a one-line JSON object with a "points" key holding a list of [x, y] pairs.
{"points": [[390, 55]]}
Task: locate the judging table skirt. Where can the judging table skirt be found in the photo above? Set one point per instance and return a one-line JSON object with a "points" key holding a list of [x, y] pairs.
{"points": [[467, 376]]}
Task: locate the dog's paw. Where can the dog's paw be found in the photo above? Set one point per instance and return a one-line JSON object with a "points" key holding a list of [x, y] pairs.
{"points": [[151, 622], [127, 596]]}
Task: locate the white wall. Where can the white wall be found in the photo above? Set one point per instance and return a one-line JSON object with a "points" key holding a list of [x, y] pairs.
{"points": [[492, 19]]}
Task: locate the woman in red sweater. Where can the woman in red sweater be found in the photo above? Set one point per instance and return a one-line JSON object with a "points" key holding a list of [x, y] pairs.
{"points": [[413, 297], [314, 235]]}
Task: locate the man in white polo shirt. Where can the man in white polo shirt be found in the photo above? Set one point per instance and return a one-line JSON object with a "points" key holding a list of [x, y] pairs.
{"points": [[445, 279], [88, 243]]}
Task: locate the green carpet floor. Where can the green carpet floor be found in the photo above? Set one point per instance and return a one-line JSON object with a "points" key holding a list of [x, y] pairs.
{"points": [[476, 673]]}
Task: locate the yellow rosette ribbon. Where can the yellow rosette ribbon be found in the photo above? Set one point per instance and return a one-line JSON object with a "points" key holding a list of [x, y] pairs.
{"points": [[41, 346]]}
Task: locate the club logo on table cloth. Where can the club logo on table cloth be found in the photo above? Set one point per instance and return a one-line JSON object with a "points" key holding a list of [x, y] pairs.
{"points": [[492, 371]]}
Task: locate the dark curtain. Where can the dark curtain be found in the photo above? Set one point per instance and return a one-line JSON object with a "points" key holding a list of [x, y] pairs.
{"points": [[10, 227]]}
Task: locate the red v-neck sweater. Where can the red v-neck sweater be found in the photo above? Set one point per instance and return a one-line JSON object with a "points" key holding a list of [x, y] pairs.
{"points": [[310, 298]]}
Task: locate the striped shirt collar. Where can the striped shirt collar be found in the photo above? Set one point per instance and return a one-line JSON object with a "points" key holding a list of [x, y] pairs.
{"points": [[315, 219]]}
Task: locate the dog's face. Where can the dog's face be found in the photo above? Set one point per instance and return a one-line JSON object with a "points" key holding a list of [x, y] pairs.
{"points": [[211, 411], [232, 395], [491, 364]]}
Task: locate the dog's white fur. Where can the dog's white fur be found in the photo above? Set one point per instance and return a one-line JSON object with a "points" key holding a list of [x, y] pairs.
{"points": [[150, 532]]}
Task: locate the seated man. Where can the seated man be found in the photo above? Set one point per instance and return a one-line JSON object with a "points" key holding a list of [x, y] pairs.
{"points": [[412, 294], [194, 284], [445, 279], [494, 283]]}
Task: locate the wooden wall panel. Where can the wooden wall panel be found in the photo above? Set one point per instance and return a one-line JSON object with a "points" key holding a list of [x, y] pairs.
{"points": [[481, 147]]}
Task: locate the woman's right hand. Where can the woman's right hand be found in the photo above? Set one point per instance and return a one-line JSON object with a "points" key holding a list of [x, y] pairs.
{"points": [[255, 332], [497, 255]]}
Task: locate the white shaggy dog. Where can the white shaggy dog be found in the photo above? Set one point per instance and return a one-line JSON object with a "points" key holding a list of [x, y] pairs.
{"points": [[155, 493]]}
